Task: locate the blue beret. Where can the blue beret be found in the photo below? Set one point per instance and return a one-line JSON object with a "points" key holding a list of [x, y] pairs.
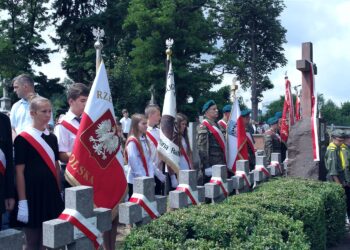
{"points": [[227, 108], [278, 115], [246, 112], [207, 105], [339, 133], [272, 120]]}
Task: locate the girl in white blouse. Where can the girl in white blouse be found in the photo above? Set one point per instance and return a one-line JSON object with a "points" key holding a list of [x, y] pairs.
{"points": [[185, 149], [138, 153]]}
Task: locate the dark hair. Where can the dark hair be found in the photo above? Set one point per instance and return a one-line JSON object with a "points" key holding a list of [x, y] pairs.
{"points": [[124, 111], [151, 109], [180, 118], [76, 90], [24, 79]]}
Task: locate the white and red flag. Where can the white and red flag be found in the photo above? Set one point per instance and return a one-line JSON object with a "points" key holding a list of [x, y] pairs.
{"points": [[236, 138], [297, 109], [288, 111], [97, 159], [168, 146], [314, 124]]}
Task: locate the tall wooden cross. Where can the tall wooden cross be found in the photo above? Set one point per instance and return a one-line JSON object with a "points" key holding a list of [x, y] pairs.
{"points": [[304, 66]]}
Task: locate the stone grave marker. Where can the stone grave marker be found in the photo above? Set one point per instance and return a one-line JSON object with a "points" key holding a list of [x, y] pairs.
{"points": [[11, 239], [242, 179], [219, 187], [261, 172], [275, 167], [187, 192], [143, 205], [80, 226]]}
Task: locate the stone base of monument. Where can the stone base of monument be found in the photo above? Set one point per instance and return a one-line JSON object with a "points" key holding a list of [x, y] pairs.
{"points": [[300, 153], [11, 239]]}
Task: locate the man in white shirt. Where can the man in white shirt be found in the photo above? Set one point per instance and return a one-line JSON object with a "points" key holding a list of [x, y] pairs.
{"points": [[23, 85], [126, 123]]}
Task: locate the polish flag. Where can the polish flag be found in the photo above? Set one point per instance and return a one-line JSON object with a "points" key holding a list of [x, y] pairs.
{"points": [[297, 109], [236, 138], [97, 159], [288, 111]]}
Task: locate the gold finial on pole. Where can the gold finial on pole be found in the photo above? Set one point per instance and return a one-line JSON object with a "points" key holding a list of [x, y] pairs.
{"points": [[234, 88], [169, 43]]}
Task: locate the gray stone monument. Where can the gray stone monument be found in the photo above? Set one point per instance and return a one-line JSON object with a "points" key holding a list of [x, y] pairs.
{"points": [[261, 172], [60, 233], [5, 101], [143, 206], [242, 179], [11, 239], [187, 193], [219, 186], [275, 167]]}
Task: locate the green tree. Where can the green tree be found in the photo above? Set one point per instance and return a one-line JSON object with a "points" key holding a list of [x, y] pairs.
{"points": [[273, 107], [331, 113], [252, 37]]}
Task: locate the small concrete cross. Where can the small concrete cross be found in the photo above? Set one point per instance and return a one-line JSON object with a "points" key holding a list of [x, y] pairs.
{"points": [[275, 167], [242, 179], [59, 233], [11, 239], [219, 186], [134, 213], [187, 193], [261, 172]]}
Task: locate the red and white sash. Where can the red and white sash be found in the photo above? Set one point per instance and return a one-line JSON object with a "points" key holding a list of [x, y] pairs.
{"points": [[219, 137], [190, 193], [69, 126], [34, 138], [184, 153], [80, 222], [152, 138], [277, 165], [148, 207], [139, 148], [263, 169], [243, 175], [223, 124], [2, 163], [220, 182]]}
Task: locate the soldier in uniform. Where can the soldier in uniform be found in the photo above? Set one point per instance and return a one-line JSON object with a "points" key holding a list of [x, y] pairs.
{"points": [[210, 141], [272, 139], [250, 140], [226, 115], [284, 148]]}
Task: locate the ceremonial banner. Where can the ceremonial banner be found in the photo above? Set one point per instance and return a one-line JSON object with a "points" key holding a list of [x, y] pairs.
{"points": [[236, 138], [97, 159], [314, 125], [168, 146], [297, 109], [288, 110]]}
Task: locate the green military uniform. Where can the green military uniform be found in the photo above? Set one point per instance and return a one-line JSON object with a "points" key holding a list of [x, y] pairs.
{"points": [[210, 152], [251, 151], [333, 162], [272, 141]]}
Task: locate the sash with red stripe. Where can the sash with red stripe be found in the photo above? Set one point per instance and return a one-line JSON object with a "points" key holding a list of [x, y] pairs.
{"points": [[88, 229], [243, 175], [185, 155], [44, 150], [69, 126], [151, 137], [138, 146], [217, 135], [219, 181], [2, 163], [223, 124], [277, 165], [188, 191], [148, 207], [263, 169]]}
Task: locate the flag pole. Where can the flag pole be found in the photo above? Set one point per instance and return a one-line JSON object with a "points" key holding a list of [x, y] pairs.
{"points": [[169, 44], [234, 89], [98, 34]]}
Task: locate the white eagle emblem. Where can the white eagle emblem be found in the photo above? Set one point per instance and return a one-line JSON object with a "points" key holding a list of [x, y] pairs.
{"points": [[107, 141]]}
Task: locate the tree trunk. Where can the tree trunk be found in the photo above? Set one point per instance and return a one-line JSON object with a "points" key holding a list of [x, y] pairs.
{"points": [[254, 98]]}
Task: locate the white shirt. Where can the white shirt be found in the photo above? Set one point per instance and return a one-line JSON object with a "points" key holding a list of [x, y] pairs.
{"points": [[135, 165], [183, 162], [126, 124], [20, 116], [155, 132], [65, 137]]}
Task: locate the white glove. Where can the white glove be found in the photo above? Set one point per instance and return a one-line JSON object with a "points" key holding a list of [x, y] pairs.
{"points": [[160, 175], [208, 171], [22, 215], [174, 182]]}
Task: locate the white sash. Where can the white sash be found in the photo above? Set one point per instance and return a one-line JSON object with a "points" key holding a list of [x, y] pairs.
{"points": [[148, 207], [193, 196], [221, 183]]}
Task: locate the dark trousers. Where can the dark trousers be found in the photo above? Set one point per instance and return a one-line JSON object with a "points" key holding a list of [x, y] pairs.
{"points": [[131, 189], [347, 194]]}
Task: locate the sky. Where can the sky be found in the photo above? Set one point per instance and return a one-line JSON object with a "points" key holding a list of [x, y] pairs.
{"points": [[324, 23]]}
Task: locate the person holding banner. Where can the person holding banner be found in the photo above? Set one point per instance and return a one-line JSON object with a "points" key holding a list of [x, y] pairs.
{"points": [[7, 189], [226, 115], [37, 174], [185, 148], [272, 139], [138, 153], [67, 127], [210, 141]]}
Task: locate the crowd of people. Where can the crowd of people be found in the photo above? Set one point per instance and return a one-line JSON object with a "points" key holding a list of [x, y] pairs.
{"points": [[33, 158]]}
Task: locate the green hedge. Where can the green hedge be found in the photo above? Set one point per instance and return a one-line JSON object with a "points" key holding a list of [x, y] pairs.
{"points": [[280, 214]]}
